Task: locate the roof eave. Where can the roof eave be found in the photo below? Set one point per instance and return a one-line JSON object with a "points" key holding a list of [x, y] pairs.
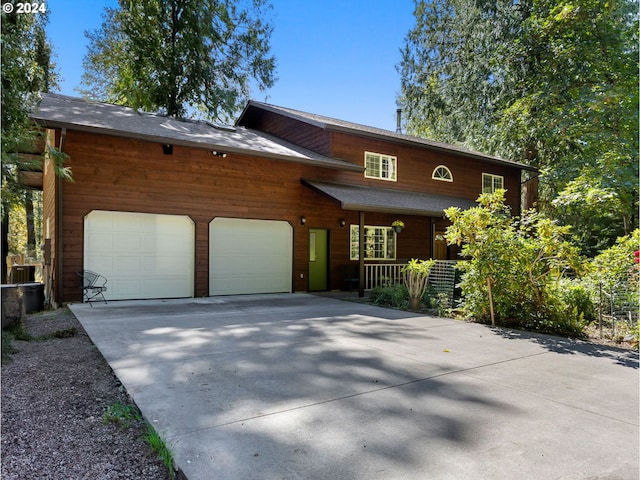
{"points": [[185, 143], [394, 210], [426, 146]]}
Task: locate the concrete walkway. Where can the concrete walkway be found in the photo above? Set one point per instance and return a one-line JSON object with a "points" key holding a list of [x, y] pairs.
{"points": [[305, 387]]}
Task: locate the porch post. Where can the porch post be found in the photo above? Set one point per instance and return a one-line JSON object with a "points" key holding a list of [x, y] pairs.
{"points": [[361, 253], [433, 237]]}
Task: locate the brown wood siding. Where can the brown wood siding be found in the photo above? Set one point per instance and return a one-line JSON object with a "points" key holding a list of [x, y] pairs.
{"points": [[118, 174], [128, 175], [415, 167], [303, 134]]}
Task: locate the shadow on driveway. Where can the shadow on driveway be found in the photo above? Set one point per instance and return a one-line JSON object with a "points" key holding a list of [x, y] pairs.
{"points": [[298, 386]]}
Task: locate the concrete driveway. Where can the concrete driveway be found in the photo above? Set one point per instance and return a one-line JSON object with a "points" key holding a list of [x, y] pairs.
{"points": [[305, 387]]}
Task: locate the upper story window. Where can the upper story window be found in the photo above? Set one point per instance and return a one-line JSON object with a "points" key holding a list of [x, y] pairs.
{"points": [[442, 173], [379, 243], [380, 166], [491, 183]]}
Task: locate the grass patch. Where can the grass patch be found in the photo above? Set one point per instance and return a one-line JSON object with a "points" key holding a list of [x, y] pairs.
{"points": [[64, 333], [15, 332], [159, 447]]}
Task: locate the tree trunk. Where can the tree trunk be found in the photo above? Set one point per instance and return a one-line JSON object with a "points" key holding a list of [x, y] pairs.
{"points": [[5, 241], [493, 320]]}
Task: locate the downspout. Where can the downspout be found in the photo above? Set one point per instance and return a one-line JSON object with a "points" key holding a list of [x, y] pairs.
{"points": [[59, 225]]}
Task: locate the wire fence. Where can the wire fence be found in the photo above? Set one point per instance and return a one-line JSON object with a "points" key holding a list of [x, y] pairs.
{"points": [[618, 311]]}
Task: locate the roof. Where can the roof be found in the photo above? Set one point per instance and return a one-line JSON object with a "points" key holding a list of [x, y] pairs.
{"points": [[371, 199], [61, 111], [332, 124]]}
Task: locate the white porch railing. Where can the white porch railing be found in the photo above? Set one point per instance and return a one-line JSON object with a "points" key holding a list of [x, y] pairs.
{"points": [[384, 274]]}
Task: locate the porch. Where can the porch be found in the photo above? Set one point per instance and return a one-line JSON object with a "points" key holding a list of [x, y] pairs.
{"points": [[442, 276]]}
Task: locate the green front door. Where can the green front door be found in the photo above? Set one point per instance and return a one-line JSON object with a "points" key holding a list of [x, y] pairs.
{"points": [[318, 259]]}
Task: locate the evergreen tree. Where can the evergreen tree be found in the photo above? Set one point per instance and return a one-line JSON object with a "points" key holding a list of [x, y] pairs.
{"points": [[552, 83], [182, 57], [26, 70]]}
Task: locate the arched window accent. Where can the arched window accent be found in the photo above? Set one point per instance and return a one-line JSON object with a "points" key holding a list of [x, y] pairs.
{"points": [[442, 173]]}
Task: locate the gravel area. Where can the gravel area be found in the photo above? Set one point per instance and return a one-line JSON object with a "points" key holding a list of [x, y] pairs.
{"points": [[54, 394]]}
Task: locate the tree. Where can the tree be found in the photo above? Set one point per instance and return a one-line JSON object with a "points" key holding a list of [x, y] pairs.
{"points": [[552, 83], [26, 70], [180, 56]]}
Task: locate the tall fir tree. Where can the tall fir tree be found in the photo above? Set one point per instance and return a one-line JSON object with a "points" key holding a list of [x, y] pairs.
{"points": [[181, 57], [552, 83]]}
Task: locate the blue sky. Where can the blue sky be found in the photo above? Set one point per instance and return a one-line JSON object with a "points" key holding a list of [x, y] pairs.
{"points": [[335, 57]]}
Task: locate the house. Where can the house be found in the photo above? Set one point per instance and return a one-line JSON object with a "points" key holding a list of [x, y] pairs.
{"points": [[168, 208]]}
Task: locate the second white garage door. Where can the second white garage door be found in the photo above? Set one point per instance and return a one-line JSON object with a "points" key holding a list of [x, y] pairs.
{"points": [[249, 256], [142, 255]]}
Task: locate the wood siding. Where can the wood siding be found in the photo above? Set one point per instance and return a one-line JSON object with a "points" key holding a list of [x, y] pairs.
{"points": [[415, 167], [303, 134], [118, 174]]}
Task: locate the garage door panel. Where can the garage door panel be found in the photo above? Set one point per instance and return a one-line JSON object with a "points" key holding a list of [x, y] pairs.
{"points": [[142, 255], [249, 256], [100, 240]]}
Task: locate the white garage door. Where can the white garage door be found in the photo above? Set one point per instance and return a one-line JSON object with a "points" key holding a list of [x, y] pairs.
{"points": [[142, 255], [249, 256]]}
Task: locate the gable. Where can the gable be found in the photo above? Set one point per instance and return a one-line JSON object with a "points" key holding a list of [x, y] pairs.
{"points": [[266, 113], [308, 135]]}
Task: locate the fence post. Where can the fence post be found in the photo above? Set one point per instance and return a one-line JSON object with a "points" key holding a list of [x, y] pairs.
{"points": [[600, 309]]}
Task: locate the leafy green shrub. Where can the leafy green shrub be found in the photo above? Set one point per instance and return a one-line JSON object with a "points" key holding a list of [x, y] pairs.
{"points": [[577, 296], [123, 414], [395, 296], [514, 267], [415, 275], [614, 273]]}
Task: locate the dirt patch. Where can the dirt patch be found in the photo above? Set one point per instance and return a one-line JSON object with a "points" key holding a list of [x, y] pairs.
{"points": [[55, 390]]}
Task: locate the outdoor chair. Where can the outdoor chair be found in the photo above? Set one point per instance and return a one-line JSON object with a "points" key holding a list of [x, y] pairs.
{"points": [[350, 276], [93, 286]]}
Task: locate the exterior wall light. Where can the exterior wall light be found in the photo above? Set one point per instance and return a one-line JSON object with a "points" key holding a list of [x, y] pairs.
{"points": [[342, 222], [219, 154]]}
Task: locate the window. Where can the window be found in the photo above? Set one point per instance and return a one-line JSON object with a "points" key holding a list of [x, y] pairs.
{"points": [[442, 173], [379, 166], [379, 243], [491, 183]]}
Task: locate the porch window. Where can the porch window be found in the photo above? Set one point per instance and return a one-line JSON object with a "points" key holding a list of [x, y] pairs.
{"points": [[380, 166], [491, 183], [379, 243], [442, 173]]}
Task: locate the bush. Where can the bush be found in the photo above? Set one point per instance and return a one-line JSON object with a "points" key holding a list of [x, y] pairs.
{"points": [[395, 296], [514, 267], [577, 297], [614, 275]]}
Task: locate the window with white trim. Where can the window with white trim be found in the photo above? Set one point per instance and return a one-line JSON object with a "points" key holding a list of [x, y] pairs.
{"points": [[491, 183], [380, 166], [442, 173], [379, 243]]}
